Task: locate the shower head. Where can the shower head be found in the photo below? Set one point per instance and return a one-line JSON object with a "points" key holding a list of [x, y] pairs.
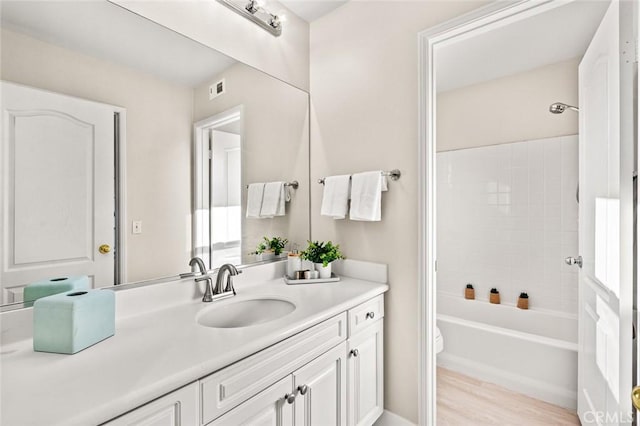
{"points": [[559, 108]]}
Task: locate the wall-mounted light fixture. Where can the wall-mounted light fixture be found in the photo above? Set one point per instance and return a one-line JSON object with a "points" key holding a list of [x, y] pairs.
{"points": [[255, 12]]}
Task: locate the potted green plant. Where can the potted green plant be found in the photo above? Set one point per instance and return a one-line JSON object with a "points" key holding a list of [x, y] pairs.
{"points": [[270, 248], [322, 254]]}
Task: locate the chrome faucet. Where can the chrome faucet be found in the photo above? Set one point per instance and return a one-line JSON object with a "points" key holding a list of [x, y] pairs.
{"points": [[200, 263], [232, 271], [208, 294]]}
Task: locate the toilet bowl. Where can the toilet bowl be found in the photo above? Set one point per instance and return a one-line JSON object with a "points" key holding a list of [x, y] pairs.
{"points": [[439, 341]]}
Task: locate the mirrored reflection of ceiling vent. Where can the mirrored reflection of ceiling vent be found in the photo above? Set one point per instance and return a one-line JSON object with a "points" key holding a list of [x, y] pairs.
{"points": [[217, 89]]}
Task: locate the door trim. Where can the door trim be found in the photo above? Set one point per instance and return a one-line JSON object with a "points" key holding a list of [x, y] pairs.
{"points": [[120, 146], [484, 19]]}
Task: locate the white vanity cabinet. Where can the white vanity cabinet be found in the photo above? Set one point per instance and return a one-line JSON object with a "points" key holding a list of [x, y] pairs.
{"points": [[366, 371], [233, 385], [321, 390], [269, 407], [312, 395], [329, 374], [178, 408]]}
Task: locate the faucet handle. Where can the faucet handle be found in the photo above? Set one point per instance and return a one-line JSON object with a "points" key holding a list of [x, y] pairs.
{"points": [[229, 286], [208, 292]]}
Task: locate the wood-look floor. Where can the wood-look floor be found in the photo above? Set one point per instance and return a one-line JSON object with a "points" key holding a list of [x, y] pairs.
{"points": [[464, 401]]}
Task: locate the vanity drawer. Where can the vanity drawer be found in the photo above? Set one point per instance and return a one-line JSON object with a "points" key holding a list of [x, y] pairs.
{"points": [[365, 314], [229, 387]]}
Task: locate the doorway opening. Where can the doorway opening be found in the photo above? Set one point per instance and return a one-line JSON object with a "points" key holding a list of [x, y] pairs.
{"points": [[218, 188], [499, 211]]}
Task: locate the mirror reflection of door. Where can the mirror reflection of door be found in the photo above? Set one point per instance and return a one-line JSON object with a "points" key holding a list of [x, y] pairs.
{"points": [[226, 194], [58, 198], [218, 188]]}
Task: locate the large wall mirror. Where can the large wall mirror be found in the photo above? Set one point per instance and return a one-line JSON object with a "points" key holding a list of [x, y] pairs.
{"points": [[128, 148]]}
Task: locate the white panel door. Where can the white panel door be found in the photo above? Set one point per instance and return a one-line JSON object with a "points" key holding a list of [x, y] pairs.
{"points": [[58, 189], [606, 223], [321, 388]]}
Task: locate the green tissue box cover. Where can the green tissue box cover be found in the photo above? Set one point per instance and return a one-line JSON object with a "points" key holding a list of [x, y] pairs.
{"points": [[69, 322], [51, 286]]}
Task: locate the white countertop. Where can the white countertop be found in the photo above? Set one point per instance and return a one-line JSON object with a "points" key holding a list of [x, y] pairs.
{"points": [[154, 353]]}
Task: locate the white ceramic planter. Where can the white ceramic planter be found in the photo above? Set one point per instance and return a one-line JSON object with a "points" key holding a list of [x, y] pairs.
{"points": [[267, 255], [323, 271]]}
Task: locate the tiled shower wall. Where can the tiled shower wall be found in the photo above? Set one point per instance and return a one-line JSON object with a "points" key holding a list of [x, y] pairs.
{"points": [[507, 218]]}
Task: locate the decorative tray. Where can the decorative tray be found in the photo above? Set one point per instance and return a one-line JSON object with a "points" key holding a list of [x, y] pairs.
{"points": [[333, 279]]}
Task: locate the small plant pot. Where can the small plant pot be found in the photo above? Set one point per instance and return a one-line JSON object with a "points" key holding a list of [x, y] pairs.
{"points": [[494, 298], [268, 255], [523, 302], [323, 271], [469, 293]]}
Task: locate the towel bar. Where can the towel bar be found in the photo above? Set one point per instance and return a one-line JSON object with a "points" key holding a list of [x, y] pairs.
{"points": [[294, 184], [393, 174]]}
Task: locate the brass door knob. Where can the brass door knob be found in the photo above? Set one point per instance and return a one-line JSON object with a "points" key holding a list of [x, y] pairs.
{"points": [[635, 397], [104, 248]]}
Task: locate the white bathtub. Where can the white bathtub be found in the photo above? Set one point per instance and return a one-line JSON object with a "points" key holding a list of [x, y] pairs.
{"points": [[532, 352]]}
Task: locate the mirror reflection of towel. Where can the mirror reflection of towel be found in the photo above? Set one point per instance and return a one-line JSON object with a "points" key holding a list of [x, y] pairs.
{"points": [[335, 197], [254, 200], [273, 200]]}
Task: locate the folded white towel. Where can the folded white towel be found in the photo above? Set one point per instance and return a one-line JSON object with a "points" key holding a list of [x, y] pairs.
{"points": [[335, 198], [254, 200], [273, 200], [366, 195]]}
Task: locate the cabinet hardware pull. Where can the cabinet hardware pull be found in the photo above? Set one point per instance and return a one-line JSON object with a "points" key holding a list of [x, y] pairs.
{"points": [[370, 315], [290, 397], [355, 352], [303, 389]]}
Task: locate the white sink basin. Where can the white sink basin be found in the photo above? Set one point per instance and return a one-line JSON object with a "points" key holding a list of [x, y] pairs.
{"points": [[245, 313]]}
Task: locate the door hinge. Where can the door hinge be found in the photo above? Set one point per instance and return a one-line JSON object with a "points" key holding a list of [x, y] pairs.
{"points": [[435, 266], [210, 155]]}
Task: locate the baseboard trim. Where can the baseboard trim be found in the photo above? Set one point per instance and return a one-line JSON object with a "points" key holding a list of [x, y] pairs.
{"points": [[391, 419], [534, 388]]}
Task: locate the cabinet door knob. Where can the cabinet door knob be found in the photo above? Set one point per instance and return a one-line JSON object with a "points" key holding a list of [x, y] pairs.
{"points": [[290, 397], [354, 352], [370, 315], [303, 389]]}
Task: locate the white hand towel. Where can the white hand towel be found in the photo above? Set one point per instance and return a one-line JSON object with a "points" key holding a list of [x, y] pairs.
{"points": [[284, 196], [273, 200], [335, 198], [254, 200], [366, 196]]}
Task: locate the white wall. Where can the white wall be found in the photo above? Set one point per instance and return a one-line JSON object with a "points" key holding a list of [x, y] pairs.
{"points": [[214, 25], [275, 145], [159, 120], [509, 109], [364, 93], [507, 217]]}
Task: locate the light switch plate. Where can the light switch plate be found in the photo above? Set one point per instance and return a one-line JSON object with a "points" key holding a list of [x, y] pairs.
{"points": [[136, 227]]}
